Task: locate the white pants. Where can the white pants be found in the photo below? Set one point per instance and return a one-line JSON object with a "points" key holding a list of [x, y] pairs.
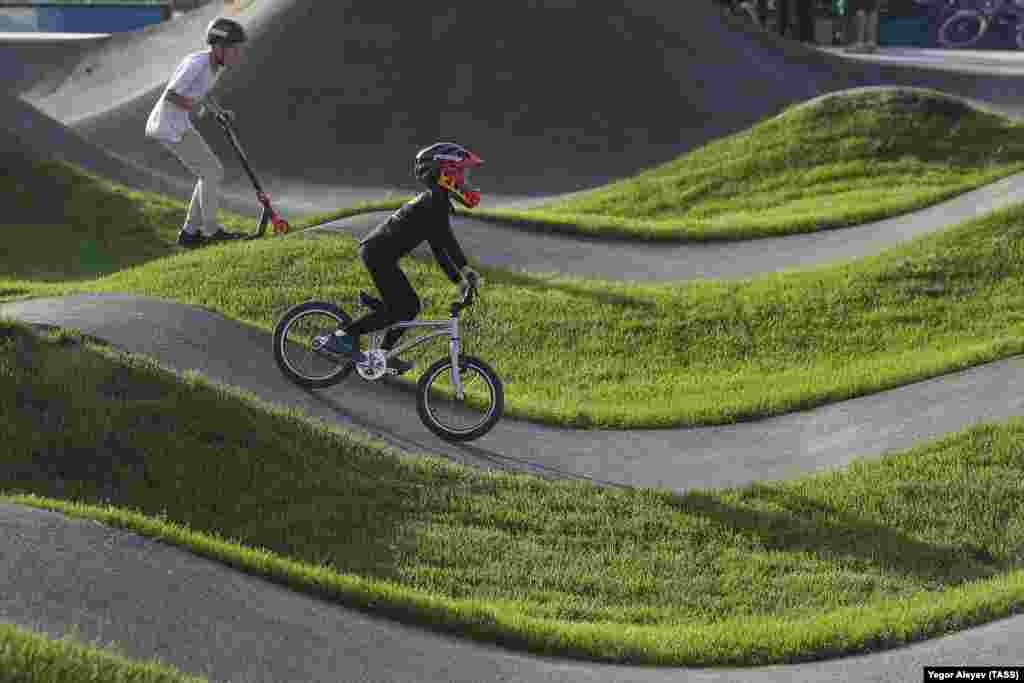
{"points": [[197, 157]]}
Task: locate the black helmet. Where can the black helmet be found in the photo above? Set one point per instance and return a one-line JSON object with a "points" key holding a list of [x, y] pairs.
{"points": [[224, 31], [447, 165]]}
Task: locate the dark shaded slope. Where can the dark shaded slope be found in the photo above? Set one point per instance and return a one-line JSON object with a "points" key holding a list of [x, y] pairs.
{"points": [[27, 132], [556, 96]]}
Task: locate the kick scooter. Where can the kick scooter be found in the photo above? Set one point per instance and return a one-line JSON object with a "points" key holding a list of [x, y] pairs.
{"points": [[268, 214]]}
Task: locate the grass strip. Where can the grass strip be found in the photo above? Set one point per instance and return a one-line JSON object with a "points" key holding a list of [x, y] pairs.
{"points": [[30, 657], [884, 552]]}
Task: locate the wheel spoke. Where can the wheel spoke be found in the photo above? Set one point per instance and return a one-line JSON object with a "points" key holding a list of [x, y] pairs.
{"points": [[303, 339], [453, 415]]}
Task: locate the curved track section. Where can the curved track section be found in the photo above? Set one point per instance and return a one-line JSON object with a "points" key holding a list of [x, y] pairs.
{"points": [[534, 252], [783, 447]]}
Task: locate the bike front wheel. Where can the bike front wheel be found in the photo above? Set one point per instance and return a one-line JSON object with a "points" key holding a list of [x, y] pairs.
{"points": [[298, 340], [460, 420]]}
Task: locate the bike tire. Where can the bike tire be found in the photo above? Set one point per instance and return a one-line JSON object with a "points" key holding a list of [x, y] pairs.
{"points": [[945, 41], [280, 338], [492, 412]]}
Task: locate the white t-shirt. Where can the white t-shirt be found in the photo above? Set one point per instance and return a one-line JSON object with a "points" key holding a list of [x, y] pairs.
{"points": [[193, 79]]}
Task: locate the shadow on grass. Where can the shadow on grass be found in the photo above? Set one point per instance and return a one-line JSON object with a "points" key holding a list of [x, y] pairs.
{"points": [[145, 442], [805, 525], [598, 295], [83, 230]]}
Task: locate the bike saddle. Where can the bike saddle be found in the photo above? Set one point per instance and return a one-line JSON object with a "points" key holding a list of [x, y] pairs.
{"points": [[370, 301]]}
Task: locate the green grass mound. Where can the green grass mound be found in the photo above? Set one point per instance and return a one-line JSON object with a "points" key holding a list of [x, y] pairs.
{"points": [[885, 552], [841, 160]]}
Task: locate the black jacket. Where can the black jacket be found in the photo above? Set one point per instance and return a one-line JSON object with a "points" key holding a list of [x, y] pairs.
{"points": [[427, 217]]}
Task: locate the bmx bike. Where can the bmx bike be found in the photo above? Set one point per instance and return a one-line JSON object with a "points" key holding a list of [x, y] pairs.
{"points": [[459, 397]]}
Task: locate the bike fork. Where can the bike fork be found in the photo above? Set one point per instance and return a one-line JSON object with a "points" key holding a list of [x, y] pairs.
{"points": [[455, 350]]}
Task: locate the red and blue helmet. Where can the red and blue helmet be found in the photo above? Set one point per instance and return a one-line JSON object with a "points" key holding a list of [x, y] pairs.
{"points": [[448, 165]]}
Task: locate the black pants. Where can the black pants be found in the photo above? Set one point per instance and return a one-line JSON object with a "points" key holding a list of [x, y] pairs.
{"points": [[805, 19], [782, 8], [400, 300]]}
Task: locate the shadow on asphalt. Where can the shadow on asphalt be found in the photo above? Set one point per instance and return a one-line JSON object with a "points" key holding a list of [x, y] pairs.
{"points": [[459, 453]]}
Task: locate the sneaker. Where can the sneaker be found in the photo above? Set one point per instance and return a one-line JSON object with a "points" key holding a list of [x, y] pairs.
{"points": [[223, 236], [370, 301], [189, 239], [397, 366], [339, 344]]}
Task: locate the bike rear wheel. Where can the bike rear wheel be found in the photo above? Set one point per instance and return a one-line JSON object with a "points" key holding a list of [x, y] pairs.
{"points": [[298, 336], [466, 419], [962, 29]]}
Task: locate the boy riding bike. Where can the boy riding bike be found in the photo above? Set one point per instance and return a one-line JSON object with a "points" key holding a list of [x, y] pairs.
{"points": [[170, 125], [444, 168]]}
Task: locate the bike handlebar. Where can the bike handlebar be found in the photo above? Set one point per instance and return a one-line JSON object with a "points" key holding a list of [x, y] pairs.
{"points": [[467, 300], [221, 115]]}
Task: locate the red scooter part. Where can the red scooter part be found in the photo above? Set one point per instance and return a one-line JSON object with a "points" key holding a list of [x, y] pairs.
{"points": [[280, 225]]}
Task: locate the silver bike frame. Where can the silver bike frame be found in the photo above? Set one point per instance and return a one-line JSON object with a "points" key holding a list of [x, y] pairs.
{"points": [[446, 328]]}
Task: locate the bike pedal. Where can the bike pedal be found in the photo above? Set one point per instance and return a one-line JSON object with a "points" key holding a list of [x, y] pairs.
{"points": [[370, 301], [395, 371]]}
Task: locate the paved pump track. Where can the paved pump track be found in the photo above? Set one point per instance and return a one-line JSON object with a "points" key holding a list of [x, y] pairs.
{"points": [[543, 91]]}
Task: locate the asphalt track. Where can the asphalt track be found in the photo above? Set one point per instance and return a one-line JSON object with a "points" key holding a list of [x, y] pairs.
{"points": [[30, 62], [210, 620]]}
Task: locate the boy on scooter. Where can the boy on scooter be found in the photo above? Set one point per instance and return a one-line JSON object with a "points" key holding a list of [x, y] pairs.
{"points": [[169, 124], [444, 168]]}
